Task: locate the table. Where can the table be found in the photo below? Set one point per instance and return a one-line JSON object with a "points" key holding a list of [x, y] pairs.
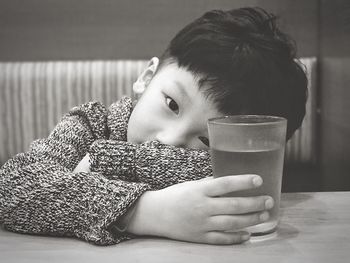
{"points": [[314, 227]]}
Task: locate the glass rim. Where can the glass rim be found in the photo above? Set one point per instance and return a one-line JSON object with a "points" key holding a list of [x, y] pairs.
{"points": [[270, 119]]}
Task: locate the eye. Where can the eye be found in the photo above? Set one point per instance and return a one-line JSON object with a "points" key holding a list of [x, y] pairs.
{"points": [[172, 104], [204, 140]]}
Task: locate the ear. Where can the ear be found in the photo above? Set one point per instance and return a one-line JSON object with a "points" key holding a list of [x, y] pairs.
{"points": [[146, 76]]}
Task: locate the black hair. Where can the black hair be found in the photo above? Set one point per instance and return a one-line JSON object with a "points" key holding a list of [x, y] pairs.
{"points": [[244, 64]]}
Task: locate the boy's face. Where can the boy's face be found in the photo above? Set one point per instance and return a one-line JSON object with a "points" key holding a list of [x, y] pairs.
{"points": [[171, 109]]}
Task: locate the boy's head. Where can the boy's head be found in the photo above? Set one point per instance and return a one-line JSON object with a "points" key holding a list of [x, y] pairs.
{"points": [[236, 62]]}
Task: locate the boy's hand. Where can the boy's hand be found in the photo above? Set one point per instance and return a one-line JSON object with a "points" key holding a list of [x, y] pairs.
{"points": [[194, 211]]}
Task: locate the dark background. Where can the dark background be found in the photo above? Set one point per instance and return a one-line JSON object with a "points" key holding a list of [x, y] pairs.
{"points": [[42, 30]]}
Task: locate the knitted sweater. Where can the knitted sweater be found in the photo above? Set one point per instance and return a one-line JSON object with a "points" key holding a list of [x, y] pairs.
{"points": [[40, 194]]}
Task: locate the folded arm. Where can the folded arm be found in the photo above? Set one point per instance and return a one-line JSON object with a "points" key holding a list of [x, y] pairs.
{"points": [[156, 164], [151, 162], [39, 193]]}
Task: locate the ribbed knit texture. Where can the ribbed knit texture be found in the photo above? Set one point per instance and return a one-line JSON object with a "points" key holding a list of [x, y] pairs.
{"points": [[40, 194], [156, 164]]}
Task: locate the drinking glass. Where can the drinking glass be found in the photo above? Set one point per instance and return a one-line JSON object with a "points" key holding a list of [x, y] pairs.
{"points": [[251, 144]]}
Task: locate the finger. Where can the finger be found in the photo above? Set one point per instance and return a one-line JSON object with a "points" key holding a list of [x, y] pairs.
{"points": [[227, 184], [224, 238], [236, 222], [239, 205]]}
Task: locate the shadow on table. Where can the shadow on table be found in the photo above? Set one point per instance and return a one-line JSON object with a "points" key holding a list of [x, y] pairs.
{"points": [[294, 199], [287, 231], [282, 235], [284, 230]]}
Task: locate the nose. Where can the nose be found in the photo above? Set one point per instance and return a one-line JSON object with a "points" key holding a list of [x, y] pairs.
{"points": [[172, 136]]}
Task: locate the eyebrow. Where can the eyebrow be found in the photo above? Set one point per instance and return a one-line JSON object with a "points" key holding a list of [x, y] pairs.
{"points": [[182, 90]]}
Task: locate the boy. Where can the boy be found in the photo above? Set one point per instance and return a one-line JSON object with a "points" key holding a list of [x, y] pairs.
{"points": [[148, 169]]}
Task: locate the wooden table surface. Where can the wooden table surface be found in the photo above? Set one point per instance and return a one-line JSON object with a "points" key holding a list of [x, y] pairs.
{"points": [[314, 227]]}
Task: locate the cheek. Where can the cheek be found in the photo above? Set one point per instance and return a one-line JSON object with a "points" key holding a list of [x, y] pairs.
{"points": [[147, 118], [140, 125], [134, 125], [130, 137], [195, 143]]}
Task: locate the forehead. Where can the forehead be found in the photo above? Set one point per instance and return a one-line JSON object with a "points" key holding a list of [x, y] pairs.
{"points": [[171, 71]]}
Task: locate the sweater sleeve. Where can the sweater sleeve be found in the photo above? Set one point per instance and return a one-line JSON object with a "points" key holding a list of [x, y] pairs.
{"points": [[156, 164], [40, 194]]}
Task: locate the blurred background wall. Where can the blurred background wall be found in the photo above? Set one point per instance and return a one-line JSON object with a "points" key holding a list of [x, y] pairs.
{"points": [[124, 29], [51, 30], [334, 93]]}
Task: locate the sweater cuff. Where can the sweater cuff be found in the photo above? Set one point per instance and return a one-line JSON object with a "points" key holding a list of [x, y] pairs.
{"points": [[113, 159], [161, 165], [119, 199]]}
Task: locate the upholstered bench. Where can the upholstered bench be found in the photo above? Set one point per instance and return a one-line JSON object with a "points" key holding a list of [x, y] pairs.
{"points": [[34, 95]]}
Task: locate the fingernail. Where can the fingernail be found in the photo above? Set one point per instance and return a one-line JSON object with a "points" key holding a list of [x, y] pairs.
{"points": [[264, 216], [269, 203], [257, 181]]}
